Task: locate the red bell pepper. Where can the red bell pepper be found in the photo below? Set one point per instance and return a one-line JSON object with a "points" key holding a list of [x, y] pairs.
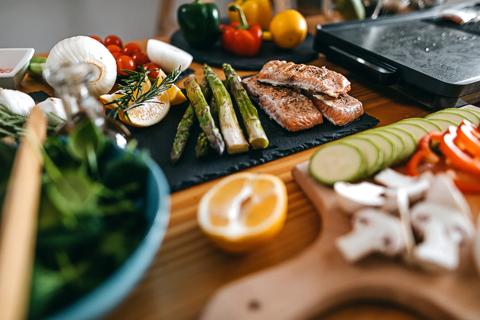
{"points": [[239, 38], [468, 138], [424, 153], [455, 156]]}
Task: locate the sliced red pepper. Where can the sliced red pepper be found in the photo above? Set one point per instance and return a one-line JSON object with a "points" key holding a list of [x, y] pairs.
{"points": [[424, 153], [465, 183], [468, 138], [240, 38], [455, 156]]}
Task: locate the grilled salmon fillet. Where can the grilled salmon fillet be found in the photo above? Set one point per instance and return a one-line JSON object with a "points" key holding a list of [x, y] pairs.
{"points": [[289, 108], [311, 79], [339, 111]]}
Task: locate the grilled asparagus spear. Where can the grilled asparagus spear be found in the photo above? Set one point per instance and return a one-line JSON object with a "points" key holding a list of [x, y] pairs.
{"points": [[185, 126], [202, 147], [256, 135], [202, 111], [182, 134], [231, 131]]}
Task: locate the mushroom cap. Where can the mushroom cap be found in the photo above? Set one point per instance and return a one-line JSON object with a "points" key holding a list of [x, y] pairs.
{"points": [[373, 231], [353, 197]]}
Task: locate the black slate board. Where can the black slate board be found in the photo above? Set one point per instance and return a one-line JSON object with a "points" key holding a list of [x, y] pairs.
{"points": [[217, 56], [190, 170]]}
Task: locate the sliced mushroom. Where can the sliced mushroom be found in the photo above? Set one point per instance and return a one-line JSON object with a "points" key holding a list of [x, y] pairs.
{"points": [[444, 193], [443, 229], [414, 187], [353, 197], [373, 231]]}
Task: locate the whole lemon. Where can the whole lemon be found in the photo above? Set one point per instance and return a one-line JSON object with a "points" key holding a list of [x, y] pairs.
{"points": [[288, 29]]}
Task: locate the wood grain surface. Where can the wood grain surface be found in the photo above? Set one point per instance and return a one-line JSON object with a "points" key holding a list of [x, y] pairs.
{"points": [[320, 278], [188, 268]]}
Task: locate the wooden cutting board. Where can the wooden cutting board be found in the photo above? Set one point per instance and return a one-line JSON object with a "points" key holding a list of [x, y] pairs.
{"points": [[319, 278]]}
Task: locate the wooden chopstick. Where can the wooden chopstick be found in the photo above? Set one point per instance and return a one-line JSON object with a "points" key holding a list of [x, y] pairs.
{"points": [[19, 220]]}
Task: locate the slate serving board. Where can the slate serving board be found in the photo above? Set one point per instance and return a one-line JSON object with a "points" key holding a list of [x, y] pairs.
{"points": [[190, 170], [217, 56]]}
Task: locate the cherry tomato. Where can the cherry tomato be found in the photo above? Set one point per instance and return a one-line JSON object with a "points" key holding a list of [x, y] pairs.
{"points": [[140, 58], [116, 55], [96, 37], [153, 69], [114, 48], [113, 39], [130, 48], [125, 62]]}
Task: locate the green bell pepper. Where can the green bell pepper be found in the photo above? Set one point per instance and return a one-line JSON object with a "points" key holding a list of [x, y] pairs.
{"points": [[199, 23]]}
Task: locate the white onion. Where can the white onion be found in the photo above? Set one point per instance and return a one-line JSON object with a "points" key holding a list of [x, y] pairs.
{"points": [[16, 101], [82, 49], [168, 57]]}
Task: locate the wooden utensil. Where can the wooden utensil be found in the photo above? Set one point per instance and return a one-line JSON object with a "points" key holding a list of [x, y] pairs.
{"points": [[319, 278], [19, 220]]}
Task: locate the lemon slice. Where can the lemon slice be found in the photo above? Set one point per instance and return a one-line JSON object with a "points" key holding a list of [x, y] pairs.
{"points": [[176, 95], [105, 99], [243, 211], [148, 113]]}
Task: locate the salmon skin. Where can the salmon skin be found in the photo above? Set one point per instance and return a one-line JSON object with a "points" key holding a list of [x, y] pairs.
{"points": [[308, 78], [339, 111], [289, 108]]}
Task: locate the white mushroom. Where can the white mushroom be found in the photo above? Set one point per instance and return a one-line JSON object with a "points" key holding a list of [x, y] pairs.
{"points": [[414, 187], [373, 231], [353, 197], [443, 229], [444, 193]]}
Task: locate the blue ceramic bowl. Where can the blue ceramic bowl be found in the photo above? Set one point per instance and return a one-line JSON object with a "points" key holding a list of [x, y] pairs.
{"points": [[116, 287]]}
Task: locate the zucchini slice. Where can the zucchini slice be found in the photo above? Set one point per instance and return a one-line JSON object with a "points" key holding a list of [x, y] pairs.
{"points": [[409, 142], [465, 114], [443, 123], [416, 130], [372, 154], [424, 123], [397, 142], [384, 145], [337, 161], [442, 115]]}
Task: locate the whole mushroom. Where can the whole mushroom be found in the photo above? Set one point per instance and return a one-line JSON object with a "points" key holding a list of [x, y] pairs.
{"points": [[373, 231]]}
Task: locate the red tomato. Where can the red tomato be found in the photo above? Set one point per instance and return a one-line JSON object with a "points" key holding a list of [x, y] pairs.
{"points": [[96, 37], [114, 48], [116, 55], [125, 62], [153, 70], [140, 58], [113, 39], [130, 48]]}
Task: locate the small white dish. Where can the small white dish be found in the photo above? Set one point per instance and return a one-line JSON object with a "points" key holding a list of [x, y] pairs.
{"points": [[13, 65]]}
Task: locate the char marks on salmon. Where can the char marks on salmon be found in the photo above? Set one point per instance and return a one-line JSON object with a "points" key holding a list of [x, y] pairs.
{"points": [[339, 111], [308, 78], [289, 108]]}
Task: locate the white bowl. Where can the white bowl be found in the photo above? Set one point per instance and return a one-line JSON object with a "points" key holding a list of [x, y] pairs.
{"points": [[16, 61]]}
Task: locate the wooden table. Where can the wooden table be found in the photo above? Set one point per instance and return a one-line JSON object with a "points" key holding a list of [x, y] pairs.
{"points": [[188, 268]]}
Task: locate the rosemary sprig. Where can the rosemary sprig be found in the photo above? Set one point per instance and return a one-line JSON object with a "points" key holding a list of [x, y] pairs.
{"points": [[132, 85], [11, 124]]}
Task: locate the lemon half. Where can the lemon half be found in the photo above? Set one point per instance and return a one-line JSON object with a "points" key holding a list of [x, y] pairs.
{"points": [[243, 211]]}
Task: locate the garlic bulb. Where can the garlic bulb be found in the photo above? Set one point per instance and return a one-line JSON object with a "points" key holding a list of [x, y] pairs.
{"points": [[55, 106], [82, 49], [16, 101]]}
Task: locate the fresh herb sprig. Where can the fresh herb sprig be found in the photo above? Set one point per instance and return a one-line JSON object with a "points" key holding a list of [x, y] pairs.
{"points": [[11, 124], [131, 86]]}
